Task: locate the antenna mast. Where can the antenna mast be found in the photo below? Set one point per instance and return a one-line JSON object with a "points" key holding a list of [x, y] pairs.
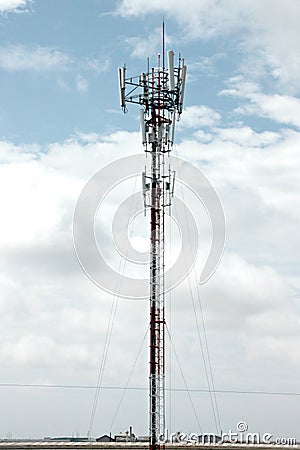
{"points": [[159, 92]]}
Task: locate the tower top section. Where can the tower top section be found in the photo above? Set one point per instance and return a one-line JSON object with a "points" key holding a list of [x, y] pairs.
{"points": [[160, 92], [156, 84]]}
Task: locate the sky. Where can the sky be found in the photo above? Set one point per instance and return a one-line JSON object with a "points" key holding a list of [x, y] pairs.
{"points": [[60, 122]]}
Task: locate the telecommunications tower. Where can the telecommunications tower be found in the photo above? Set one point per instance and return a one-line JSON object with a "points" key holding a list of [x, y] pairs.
{"points": [[159, 91]]}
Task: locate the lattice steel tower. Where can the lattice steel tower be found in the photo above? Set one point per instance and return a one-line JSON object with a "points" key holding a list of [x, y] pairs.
{"points": [[160, 92]]}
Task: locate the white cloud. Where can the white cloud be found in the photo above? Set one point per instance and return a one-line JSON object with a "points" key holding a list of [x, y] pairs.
{"points": [[97, 65], [11, 5], [87, 137], [270, 39], [54, 319], [278, 34], [245, 293], [202, 17], [199, 116], [143, 47], [19, 58], [266, 167], [82, 84], [48, 306], [247, 137], [260, 302], [206, 64], [283, 109], [39, 189]]}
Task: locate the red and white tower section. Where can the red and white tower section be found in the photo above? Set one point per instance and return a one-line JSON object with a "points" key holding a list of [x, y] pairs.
{"points": [[159, 91]]}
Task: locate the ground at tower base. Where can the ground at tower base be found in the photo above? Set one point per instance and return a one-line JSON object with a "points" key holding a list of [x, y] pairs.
{"points": [[74, 445]]}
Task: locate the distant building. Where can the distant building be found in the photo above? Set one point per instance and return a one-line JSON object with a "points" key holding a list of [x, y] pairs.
{"points": [[67, 439], [127, 436], [105, 438], [143, 439]]}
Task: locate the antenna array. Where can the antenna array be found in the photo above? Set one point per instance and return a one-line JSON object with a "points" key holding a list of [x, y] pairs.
{"points": [[160, 93]]}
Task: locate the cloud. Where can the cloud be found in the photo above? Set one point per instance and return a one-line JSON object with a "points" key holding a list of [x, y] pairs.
{"points": [[16, 58], [206, 64], [204, 15], [277, 35], [271, 40], [13, 5], [247, 137], [199, 116], [37, 251], [257, 301], [246, 297], [202, 19], [22, 58], [82, 84], [283, 109], [142, 48], [55, 319], [97, 65]]}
